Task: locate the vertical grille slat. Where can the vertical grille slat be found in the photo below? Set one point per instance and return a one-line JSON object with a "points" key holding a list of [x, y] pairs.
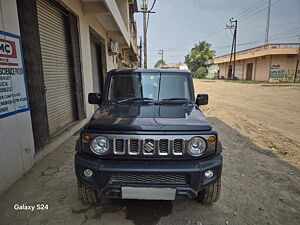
{"points": [[133, 146], [163, 147], [119, 146], [178, 147]]}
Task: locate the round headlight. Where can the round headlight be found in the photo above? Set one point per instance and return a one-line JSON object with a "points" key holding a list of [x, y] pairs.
{"points": [[100, 145], [197, 146]]}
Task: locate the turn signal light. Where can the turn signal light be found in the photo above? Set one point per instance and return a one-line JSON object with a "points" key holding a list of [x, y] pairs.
{"points": [[211, 139], [86, 138]]}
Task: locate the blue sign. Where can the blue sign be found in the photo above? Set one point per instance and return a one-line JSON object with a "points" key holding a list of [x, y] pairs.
{"points": [[13, 89]]}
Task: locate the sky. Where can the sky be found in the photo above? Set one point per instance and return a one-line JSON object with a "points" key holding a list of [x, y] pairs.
{"points": [[178, 24]]}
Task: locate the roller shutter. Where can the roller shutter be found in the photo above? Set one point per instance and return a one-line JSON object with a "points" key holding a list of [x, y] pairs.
{"points": [[56, 49]]}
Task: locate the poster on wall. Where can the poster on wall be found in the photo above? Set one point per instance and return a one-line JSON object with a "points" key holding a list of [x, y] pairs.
{"points": [[239, 69], [276, 72], [13, 90]]}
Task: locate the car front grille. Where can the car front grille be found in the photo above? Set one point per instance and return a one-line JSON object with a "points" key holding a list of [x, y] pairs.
{"points": [[149, 178], [148, 147]]}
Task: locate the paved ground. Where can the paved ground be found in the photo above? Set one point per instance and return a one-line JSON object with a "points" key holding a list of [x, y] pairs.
{"points": [[260, 184]]}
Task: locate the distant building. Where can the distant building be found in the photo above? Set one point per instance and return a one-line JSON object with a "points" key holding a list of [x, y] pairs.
{"points": [[263, 63], [179, 66]]}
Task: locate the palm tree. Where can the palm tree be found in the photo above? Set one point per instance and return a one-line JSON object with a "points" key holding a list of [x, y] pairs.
{"points": [[199, 54]]}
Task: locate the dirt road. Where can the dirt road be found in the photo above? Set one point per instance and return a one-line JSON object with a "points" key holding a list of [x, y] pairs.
{"points": [[268, 114], [260, 184]]}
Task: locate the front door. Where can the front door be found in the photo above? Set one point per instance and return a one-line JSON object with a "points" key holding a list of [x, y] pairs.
{"points": [[96, 65], [249, 71]]}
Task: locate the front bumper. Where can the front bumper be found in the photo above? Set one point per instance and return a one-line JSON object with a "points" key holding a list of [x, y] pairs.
{"points": [[150, 173]]}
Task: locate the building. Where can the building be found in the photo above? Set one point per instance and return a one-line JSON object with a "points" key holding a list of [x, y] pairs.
{"points": [[52, 54], [178, 66], [212, 69], [263, 63]]}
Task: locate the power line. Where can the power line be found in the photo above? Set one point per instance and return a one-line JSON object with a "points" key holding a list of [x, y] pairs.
{"points": [[285, 37], [152, 5], [271, 25], [149, 11], [241, 44], [287, 31], [215, 30], [250, 8], [256, 12], [207, 35]]}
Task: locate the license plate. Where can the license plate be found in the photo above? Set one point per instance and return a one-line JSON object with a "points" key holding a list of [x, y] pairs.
{"points": [[148, 193]]}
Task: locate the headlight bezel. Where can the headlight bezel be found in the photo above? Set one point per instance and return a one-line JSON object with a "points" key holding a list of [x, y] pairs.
{"points": [[97, 152], [202, 151]]}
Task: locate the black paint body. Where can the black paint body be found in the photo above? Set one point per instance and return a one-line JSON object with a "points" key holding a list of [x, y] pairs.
{"points": [[147, 119]]}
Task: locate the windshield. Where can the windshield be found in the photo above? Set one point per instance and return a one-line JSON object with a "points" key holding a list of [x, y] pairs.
{"points": [[150, 86]]}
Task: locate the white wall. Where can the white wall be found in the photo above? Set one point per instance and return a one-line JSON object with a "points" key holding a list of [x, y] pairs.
{"points": [[16, 138], [86, 22], [17, 154]]}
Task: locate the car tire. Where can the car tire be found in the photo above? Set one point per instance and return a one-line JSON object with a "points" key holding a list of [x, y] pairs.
{"points": [[87, 194], [210, 194]]}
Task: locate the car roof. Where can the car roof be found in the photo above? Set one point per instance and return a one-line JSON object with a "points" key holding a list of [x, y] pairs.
{"points": [[142, 70]]}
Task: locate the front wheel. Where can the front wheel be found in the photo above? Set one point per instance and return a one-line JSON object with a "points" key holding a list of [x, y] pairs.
{"points": [[210, 194], [87, 194]]}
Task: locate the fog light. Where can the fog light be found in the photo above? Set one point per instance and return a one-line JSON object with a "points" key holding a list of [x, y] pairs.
{"points": [[209, 174], [88, 173]]}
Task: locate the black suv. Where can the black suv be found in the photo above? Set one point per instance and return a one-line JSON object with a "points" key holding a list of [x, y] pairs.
{"points": [[148, 140]]}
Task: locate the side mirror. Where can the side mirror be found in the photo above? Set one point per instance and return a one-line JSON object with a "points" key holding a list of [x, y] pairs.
{"points": [[95, 98], [202, 99]]}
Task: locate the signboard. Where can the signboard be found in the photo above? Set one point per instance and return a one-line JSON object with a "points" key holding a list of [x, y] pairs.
{"points": [[13, 91], [239, 69], [276, 72]]}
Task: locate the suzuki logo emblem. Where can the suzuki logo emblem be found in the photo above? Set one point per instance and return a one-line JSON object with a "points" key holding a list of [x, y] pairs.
{"points": [[149, 146]]}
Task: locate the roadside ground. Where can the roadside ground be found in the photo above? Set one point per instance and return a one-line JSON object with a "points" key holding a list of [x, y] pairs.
{"points": [[259, 129]]}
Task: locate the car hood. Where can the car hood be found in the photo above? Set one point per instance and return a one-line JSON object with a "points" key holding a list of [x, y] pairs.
{"points": [[149, 117]]}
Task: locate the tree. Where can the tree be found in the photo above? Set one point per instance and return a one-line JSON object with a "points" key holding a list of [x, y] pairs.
{"points": [[200, 72], [199, 54], [159, 63]]}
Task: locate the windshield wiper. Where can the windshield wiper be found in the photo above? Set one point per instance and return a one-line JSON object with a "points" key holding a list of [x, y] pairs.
{"points": [[134, 99]]}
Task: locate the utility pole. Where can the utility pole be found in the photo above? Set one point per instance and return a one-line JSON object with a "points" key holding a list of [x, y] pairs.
{"points": [[231, 71], [235, 32], [144, 9], [297, 63], [268, 23], [161, 52], [141, 51]]}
